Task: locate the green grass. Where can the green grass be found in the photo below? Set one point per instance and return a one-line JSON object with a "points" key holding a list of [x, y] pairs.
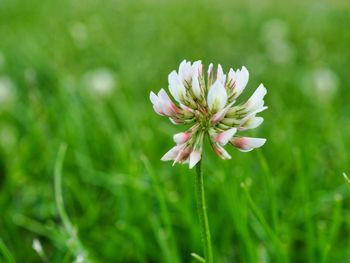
{"points": [[286, 202]]}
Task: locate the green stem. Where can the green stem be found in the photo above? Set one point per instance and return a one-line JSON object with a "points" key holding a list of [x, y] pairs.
{"points": [[202, 214]]}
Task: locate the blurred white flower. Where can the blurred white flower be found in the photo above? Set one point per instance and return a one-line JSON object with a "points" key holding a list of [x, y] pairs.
{"points": [[37, 247], [274, 36], [80, 259], [7, 90], [325, 83], [100, 81], [320, 84], [207, 104]]}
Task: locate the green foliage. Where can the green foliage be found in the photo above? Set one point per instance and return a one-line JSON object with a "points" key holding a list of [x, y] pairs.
{"points": [[286, 202]]}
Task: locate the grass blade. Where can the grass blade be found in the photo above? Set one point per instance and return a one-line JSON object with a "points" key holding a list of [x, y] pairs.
{"points": [[198, 258], [6, 252], [346, 178]]}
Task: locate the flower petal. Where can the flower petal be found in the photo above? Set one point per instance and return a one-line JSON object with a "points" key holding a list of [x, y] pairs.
{"points": [[253, 113], [242, 77], [256, 101], [224, 137], [185, 72], [220, 115], [251, 123], [176, 88], [210, 75], [220, 151], [183, 155], [156, 103], [175, 121], [231, 77], [166, 102], [164, 96], [197, 67], [210, 69], [165, 108], [246, 144], [172, 153], [181, 137], [195, 157], [196, 87], [153, 98], [220, 76], [158, 110], [217, 97]]}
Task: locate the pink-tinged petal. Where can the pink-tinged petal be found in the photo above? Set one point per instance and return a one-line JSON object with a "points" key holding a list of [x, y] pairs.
{"points": [[242, 77], [181, 137], [165, 108], [224, 137], [217, 97], [220, 115], [172, 153], [164, 97], [156, 104], [246, 144], [175, 121], [158, 110], [166, 104], [195, 157], [256, 101], [183, 155], [187, 112], [220, 151], [217, 117], [176, 87], [186, 109], [251, 123]]}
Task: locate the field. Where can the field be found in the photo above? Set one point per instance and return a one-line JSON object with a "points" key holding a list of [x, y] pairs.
{"points": [[80, 144]]}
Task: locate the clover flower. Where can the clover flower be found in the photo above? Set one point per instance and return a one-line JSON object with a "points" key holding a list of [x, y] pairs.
{"points": [[207, 103]]}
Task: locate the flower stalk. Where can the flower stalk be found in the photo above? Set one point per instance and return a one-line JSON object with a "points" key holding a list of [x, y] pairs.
{"points": [[202, 214]]}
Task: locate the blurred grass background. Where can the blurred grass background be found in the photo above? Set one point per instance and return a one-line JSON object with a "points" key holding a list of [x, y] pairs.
{"points": [[80, 73]]}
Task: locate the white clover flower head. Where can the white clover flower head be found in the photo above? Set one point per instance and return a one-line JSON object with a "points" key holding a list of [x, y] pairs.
{"points": [[208, 104]]}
